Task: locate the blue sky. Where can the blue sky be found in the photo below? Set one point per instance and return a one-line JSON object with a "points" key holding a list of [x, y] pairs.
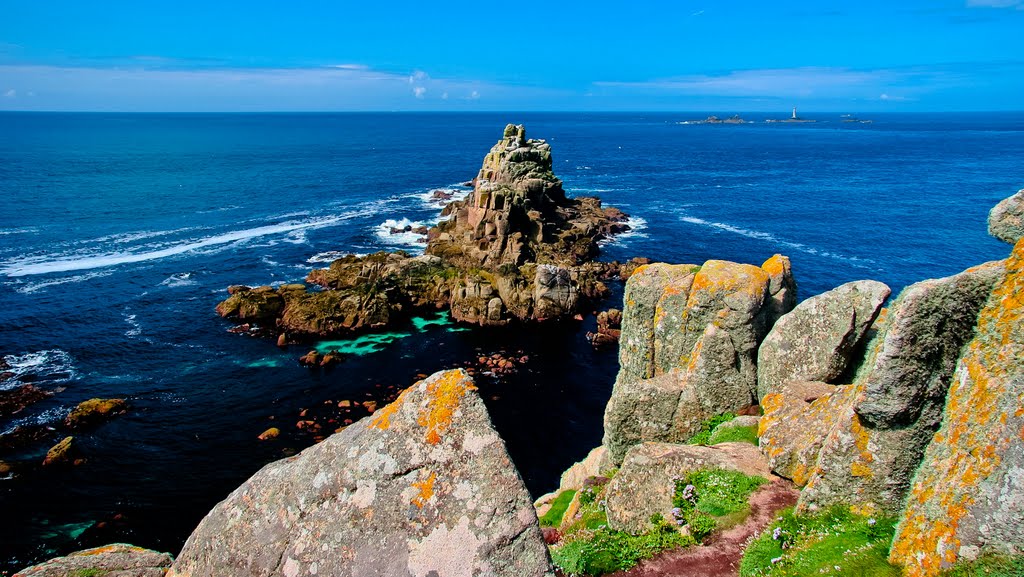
{"points": [[719, 56]]}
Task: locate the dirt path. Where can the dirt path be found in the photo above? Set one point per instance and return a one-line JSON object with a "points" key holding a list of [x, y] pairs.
{"points": [[721, 556]]}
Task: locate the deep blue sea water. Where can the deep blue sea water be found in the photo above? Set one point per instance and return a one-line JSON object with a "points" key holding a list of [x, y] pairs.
{"points": [[119, 233]]}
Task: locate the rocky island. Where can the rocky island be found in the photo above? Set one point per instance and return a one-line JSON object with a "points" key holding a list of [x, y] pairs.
{"points": [[746, 433], [515, 249]]}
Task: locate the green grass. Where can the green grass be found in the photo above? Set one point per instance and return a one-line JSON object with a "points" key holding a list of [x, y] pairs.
{"points": [[606, 551], [704, 434], [832, 542], [709, 499], [734, 435], [989, 565], [553, 518]]}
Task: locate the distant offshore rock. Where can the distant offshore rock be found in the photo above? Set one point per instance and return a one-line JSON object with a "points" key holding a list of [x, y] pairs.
{"points": [[515, 249]]}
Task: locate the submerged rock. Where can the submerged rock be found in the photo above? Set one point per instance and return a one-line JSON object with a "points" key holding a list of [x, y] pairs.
{"points": [[1006, 219], [817, 339], [424, 487], [968, 493], [95, 411], [14, 400], [118, 560], [60, 454]]}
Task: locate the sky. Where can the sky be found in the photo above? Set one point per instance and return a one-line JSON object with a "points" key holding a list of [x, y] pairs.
{"points": [[718, 56]]}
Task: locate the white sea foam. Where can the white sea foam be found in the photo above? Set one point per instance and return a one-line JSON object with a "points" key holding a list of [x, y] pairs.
{"points": [[327, 256], [429, 202], [768, 237], [31, 287], [637, 226], [136, 328], [409, 240], [50, 264], [40, 365], [179, 279], [26, 230]]}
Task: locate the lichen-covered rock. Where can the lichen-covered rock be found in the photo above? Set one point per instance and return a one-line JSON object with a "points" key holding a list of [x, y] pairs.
{"points": [[117, 560], [913, 361], [645, 483], [422, 488], [795, 423], [688, 347], [817, 339], [781, 285], [60, 454], [1006, 219], [593, 465], [869, 457], [14, 400], [968, 493], [95, 411]]}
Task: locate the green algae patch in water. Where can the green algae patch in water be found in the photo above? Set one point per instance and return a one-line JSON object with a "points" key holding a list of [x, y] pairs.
{"points": [[265, 362], [458, 329], [441, 319], [362, 345]]}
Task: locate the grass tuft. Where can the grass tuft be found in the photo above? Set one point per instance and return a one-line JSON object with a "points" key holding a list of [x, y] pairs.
{"points": [[703, 436], [553, 518]]}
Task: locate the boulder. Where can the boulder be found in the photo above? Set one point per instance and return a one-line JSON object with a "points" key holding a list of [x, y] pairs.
{"points": [[60, 454], [14, 400], [117, 560], [869, 457], [95, 411], [422, 488], [645, 483], [1006, 219], [688, 348], [817, 339], [593, 465], [968, 493]]}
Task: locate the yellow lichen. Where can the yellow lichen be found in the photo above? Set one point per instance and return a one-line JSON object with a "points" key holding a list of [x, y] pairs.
{"points": [[382, 418]]}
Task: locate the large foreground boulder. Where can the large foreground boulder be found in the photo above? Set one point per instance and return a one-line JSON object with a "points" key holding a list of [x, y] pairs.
{"points": [[116, 560], [968, 494], [646, 482], [422, 488], [817, 339], [688, 347], [1006, 219]]}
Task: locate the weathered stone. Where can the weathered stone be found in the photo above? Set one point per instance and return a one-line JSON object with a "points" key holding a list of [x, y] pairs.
{"points": [[781, 286], [816, 341], [12, 401], [968, 493], [688, 349], [422, 488], [1006, 219], [928, 325], [593, 465], [795, 423], [645, 483], [869, 457], [61, 453], [270, 434], [95, 411], [117, 560]]}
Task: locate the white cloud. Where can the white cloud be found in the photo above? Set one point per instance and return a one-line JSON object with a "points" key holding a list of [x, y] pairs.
{"points": [[781, 82], [419, 91], [350, 66], [892, 98], [11, 93], [444, 96], [418, 76], [474, 95]]}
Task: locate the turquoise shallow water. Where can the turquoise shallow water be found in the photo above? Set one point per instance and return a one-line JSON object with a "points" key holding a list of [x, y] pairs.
{"points": [[118, 234]]}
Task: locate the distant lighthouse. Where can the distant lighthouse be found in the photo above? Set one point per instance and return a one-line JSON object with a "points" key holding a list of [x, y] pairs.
{"points": [[794, 113]]}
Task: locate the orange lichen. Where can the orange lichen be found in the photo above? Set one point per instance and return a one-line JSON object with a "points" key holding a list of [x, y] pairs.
{"points": [[444, 394], [726, 277], [775, 266], [969, 447], [426, 490], [382, 418]]}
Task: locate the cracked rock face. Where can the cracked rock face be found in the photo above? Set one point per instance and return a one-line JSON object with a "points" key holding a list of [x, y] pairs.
{"points": [[816, 341], [1006, 219], [118, 560], [688, 346], [422, 488]]}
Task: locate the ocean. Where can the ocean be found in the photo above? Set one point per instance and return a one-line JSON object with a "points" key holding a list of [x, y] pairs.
{"points": [[120, 232]]}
